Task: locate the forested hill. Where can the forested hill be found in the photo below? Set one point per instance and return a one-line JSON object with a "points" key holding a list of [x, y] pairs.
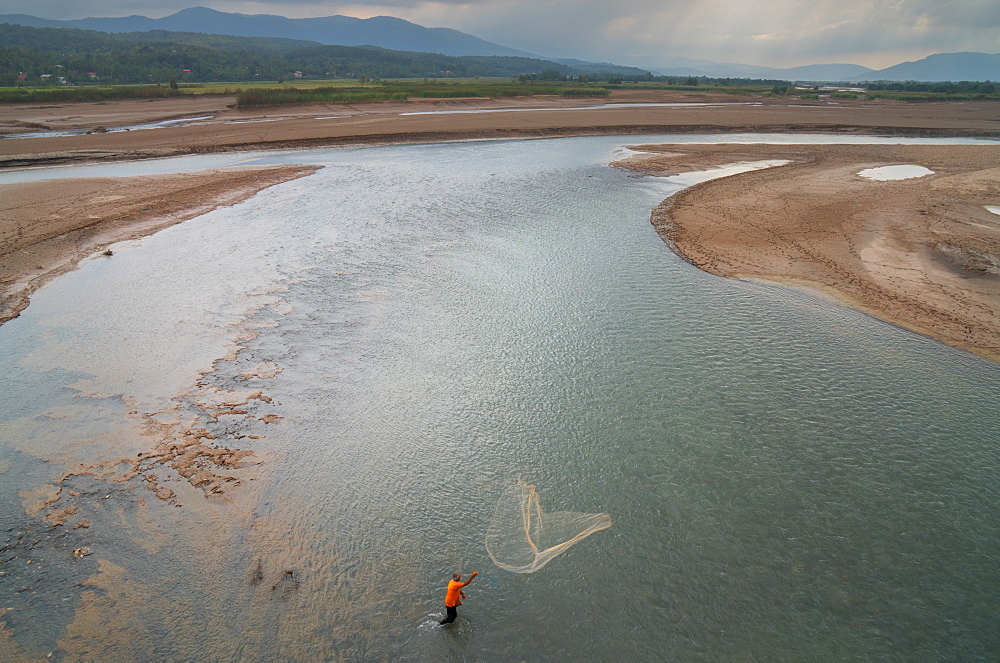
{"points": [[30, 56], [384, 31]]}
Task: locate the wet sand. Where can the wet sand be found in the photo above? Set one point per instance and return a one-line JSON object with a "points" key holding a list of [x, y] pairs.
{"points": [[48, 227], [922, 253]]}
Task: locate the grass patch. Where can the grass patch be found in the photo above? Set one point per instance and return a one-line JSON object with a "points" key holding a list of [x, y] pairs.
{"points": [[497, 89], [401, 91], [257, 98], [944, 96], [79, 94]]}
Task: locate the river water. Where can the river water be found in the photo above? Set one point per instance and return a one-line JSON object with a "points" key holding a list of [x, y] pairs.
{"points": [[788, 479]]}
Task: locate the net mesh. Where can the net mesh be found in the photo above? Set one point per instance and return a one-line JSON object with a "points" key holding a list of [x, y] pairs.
{"points": [[522, 538]]}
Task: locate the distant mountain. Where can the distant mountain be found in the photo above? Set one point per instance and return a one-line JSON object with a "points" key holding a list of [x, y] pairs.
{"points": [[31, 21], [383, 31], [941, 67], [260, 45], [681, 66], [600, 67], [825, 72]]}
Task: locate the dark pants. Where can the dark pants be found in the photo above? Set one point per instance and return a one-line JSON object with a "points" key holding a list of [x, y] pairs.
{"points": [[452, 614]]}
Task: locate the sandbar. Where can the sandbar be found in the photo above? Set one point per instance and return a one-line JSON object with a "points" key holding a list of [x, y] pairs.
{"points": [[230, 129], [921, 253], [47, 227]]}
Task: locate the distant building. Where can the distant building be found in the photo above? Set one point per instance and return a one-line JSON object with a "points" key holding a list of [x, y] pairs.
{"points": [[297, 74]]}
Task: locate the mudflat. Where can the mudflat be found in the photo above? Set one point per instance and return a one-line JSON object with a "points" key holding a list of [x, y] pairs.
{"points": [[923, 253]]}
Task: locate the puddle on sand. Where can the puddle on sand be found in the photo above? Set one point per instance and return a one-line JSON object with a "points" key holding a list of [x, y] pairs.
{"points": [[901, 172], [696, 177], [577, 108], [162, 124]]}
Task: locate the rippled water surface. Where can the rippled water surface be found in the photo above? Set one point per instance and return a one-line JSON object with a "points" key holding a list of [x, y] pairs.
{"points": [[788, 479]]}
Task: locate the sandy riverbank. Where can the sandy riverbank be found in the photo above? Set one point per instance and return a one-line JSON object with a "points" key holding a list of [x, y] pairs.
{"points": [[47, 227], [432, 120], [921, 253]]}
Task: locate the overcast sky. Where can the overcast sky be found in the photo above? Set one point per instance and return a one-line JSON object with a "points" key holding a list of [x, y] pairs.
{"points": [[778, 33]]}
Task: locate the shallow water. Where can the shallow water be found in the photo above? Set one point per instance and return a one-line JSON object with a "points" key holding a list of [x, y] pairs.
{"points": [[654, 104], [788, 478], [899, 172], [162, 124]]}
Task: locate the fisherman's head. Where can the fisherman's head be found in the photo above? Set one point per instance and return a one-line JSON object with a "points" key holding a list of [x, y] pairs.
{"points": [[457, 576]]}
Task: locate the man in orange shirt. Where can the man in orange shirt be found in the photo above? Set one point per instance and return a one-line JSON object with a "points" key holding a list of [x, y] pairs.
{"points": [[454, 597]]}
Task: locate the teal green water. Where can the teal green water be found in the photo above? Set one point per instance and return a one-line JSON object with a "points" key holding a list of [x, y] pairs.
{"points": [[788, 479]]}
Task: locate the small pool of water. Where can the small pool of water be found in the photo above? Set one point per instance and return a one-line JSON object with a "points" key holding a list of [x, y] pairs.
{"points": [[901, 172], [132, 127], [575, 108]]}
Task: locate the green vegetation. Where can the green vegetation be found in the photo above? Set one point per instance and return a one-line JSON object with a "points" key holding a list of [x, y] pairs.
{"points": [[256, 98], [970, 88], [255, 95], [401, 91], [704, 85], [497, 89], [900, 91], [47, 57], [913, 96], [941, 91], [59, 95]]}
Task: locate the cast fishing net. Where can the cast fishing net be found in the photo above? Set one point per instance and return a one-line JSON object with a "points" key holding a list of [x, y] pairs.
{"points": [[522, 538]]}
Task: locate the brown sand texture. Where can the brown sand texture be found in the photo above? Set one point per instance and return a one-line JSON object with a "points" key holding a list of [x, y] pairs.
{"points": [[922, 253], [392, 122], [48, 226]]}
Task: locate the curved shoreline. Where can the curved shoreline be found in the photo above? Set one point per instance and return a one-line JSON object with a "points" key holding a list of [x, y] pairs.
{"points": [[923, 253], [48, 227]]}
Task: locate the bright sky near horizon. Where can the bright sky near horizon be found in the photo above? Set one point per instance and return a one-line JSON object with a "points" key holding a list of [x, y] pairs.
{"points": [[777, 33]]}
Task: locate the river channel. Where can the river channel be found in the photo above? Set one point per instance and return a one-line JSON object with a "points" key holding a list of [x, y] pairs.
{"points": [[398, 337]]}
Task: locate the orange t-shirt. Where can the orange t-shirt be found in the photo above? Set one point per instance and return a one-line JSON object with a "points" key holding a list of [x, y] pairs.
{"points": [[454, 595]]}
